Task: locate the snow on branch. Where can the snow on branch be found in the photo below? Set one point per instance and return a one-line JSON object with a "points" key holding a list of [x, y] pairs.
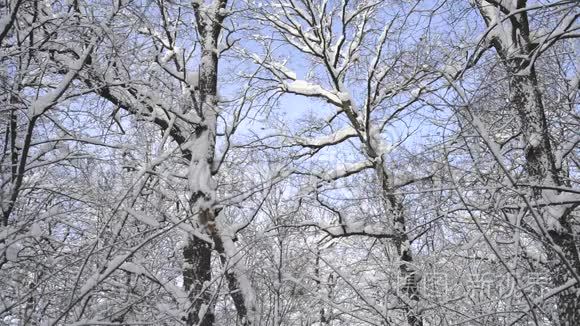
{"points": [[346, 169], [234, 261], [332, 139], [346, 229], [342, 170], [279, 69], [140, 216], [48, 100], [302, 87]]}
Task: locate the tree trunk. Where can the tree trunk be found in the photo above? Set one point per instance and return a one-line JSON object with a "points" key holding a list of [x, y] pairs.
{"points": [[396, 214], [196, 280], [514, 47], [198, 252], [541, 168], [236, 293]]}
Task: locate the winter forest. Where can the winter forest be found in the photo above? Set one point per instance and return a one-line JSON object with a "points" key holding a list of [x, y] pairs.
{"points": [[290, 162]]}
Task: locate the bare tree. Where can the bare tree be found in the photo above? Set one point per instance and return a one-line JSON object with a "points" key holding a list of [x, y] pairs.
{"points": [[370, 83], [289, 162], [507, 114]]}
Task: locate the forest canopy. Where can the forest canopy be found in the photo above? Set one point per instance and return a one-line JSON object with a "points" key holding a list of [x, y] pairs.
{"points": [[290, 162]]}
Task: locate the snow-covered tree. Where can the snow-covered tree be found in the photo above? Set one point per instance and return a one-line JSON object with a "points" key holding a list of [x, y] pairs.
{"points": [[289, 162]]}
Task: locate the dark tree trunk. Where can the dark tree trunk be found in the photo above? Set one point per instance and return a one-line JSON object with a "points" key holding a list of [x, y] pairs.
{"points": [[516, 54], [196, 280], [233, 284], [198, 253], [396, 213]]}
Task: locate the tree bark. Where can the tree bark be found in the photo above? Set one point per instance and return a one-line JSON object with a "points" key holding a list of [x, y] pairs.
{"points": [[209, 24], [196, 280], [515, 49], [396, 213], [236, 292]]}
